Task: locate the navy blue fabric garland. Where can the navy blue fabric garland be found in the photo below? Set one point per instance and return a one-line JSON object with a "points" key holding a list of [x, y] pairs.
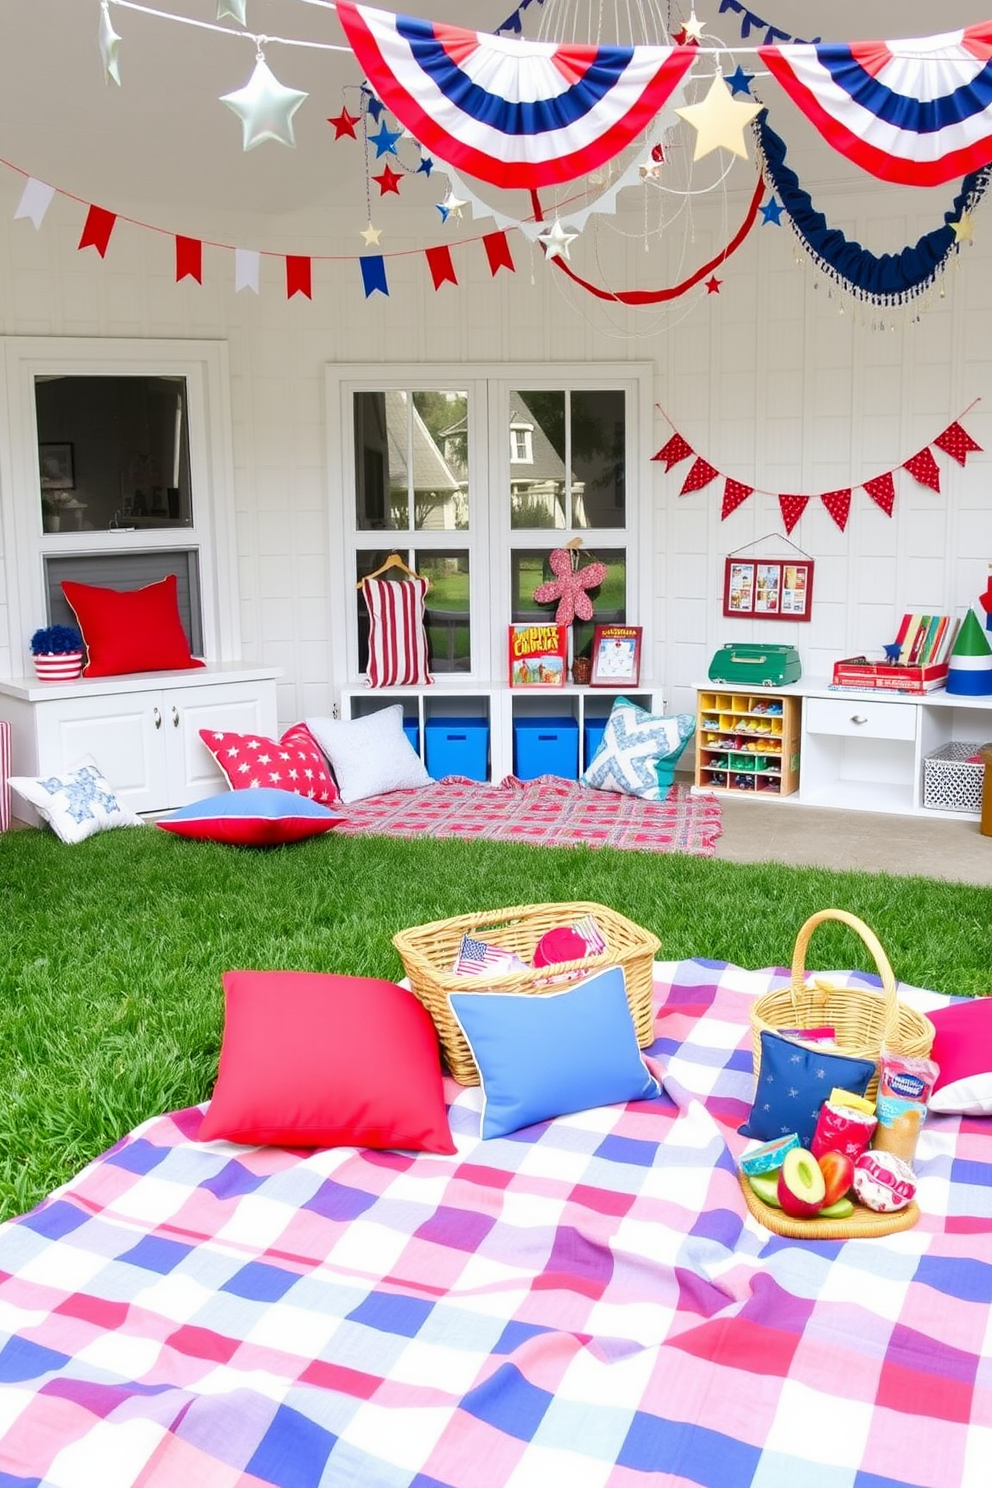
{"points": [[882, 279]]}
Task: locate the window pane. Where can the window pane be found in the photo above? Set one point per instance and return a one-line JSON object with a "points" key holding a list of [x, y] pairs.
{"points": [[113, 452], [538, 483], [530, 567], [440, 461], [448, 598], [598, 428], [375, 460], [403, 444]]}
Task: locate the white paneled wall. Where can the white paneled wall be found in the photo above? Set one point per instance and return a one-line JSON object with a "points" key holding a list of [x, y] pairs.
{"points": [[774, 380]]}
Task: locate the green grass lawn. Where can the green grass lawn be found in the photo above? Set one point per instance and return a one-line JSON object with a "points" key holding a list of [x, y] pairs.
{"points": [[111, 952]]}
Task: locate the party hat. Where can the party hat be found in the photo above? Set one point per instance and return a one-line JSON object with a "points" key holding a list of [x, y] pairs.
{"points": [[970, 669]]}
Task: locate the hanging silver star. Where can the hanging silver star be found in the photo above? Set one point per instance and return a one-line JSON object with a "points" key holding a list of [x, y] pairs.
{"points": [[110, 45], [265, 107], [556, 240], [233, 8]]}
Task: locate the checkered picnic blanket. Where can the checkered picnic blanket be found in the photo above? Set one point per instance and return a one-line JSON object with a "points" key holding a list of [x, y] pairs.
{"points": [[586, 1302]]}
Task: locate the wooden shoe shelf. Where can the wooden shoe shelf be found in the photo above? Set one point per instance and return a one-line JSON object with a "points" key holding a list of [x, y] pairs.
{"points": [[748, 741]]}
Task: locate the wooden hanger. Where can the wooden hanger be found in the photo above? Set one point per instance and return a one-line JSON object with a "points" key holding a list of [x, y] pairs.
{"points": [[393, 561]]}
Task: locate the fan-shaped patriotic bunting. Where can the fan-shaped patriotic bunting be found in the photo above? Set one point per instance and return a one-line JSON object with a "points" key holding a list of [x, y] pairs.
{"points": [[917, 112], [515, 113]]}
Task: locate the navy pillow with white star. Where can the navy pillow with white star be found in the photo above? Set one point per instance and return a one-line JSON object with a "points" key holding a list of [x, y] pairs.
{"points": [[793, 1082]]}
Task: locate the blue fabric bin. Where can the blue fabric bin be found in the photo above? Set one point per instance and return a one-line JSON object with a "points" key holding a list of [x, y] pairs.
{"points": [[411, 727], [457, 746], [592, 736], [546, 746]]}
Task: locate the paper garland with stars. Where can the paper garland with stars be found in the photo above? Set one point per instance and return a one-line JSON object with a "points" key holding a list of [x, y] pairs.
{"points": [[886, 279], [954, 441]]}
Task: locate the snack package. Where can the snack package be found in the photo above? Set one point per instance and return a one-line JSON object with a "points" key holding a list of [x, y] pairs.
{"points": [[845, 1124], [905, 1083]]}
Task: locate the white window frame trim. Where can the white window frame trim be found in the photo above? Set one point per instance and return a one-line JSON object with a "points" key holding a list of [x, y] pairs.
{"points": [[204, 365]]}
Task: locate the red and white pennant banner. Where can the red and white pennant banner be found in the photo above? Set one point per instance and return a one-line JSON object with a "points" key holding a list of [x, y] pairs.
{"points": [[954, 441]]}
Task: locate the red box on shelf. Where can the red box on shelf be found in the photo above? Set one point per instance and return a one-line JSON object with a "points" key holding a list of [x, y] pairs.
{"points": [[880, 676]]}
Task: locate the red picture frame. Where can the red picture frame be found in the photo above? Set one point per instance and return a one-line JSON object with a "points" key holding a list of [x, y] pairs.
{"points": [[616, 656], [768, 588]]}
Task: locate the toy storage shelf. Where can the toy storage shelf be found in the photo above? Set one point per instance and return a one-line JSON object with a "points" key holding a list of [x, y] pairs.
{"points": [[501, 706], [748, 741]]}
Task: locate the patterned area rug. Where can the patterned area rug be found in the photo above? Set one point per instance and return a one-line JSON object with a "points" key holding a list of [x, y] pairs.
{"points": [[548, 812]]}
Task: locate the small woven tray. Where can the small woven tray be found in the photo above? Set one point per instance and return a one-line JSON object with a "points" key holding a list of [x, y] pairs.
{"points": [[863, 1224]]}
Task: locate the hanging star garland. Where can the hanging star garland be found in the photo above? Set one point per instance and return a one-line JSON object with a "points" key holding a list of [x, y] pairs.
{"points": [[344, 124]]}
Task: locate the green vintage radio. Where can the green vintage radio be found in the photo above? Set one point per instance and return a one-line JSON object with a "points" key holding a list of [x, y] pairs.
{"points": [[755, 666]]}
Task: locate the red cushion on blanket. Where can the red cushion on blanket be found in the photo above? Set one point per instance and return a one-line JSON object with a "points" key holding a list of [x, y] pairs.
{"points": [[311, 1059]]}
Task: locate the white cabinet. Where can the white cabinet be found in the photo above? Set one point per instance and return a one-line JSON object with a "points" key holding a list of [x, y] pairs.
{"points": [[142, 731], [501, 706]]}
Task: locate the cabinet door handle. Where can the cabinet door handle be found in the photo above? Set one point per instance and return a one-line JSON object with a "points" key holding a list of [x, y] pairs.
{"points": [[858, 718], [157, 717], [175, 716]]}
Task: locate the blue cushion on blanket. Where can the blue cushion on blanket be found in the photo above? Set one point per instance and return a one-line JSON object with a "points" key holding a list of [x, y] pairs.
{"points": [[548, 1054], [793, 1082], [263, 817]]}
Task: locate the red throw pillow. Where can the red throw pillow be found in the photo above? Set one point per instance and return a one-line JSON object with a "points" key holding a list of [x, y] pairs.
{"points": [[130, 630], [293, 763], [312, 1059], [962, 1048]]}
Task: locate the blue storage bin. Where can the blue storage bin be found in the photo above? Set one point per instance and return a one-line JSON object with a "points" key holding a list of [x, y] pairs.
{"points": [[593, 730], [411, 727], [546, 746], [457, 746]]}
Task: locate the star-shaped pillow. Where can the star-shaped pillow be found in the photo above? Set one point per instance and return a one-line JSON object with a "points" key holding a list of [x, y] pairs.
{"points": [[293, 763], [638, 751]]}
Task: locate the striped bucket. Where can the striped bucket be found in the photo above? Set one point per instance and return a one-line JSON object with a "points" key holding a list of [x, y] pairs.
{"points": [[61, 666]]}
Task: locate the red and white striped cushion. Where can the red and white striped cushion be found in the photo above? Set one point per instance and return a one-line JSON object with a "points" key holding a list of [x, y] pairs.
{"points": [[397, 638]]}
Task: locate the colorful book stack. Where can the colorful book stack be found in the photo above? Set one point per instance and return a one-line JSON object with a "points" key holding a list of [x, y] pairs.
{"points": [[926, 640]]}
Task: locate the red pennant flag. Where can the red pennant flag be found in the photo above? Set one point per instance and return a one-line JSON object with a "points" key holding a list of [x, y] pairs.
{"points": [[700, 475], [497, 247], [956, 442], [440, 265], [924, 468], [882, 491], [733, 494], [97, 228], [189, 259], [838, 504], [298, 279], [674, 451], [792, 508]]}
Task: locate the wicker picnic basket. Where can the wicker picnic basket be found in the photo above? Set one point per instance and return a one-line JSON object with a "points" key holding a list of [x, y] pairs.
{"points": [[863, 1019], [428, 953]]}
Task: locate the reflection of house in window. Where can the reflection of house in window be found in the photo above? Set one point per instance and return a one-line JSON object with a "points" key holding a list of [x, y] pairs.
{"points": [[539, 494], [396, 453], [521, 444]]}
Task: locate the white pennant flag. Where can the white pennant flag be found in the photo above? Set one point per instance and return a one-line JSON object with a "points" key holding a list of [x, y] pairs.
{"points": [[246, 263], [36, 198]]}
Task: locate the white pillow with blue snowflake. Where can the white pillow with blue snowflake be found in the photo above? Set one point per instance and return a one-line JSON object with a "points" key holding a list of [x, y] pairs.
{"points": [[638, 752], [77, 803]]}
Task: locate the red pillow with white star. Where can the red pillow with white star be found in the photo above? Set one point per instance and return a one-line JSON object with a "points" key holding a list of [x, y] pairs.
{"points": [[293, 763]]}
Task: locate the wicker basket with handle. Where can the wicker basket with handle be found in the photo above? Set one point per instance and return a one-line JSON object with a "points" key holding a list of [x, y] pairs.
{"points": [[863, 1019], [428, 953]]}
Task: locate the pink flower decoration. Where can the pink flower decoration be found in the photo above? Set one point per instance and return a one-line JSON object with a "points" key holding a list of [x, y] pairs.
{"points": [[569, 588]]}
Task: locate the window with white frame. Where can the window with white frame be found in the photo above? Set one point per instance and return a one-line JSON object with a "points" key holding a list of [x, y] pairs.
{"points": [[473, 477], [116, 470]]}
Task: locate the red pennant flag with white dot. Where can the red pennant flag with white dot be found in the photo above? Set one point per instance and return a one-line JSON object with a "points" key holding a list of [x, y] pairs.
{"points": [[882, 491], [924, 468], [733, 494], [838, 504], [674, 451], [956, 442], [792, 508], [699, 476]]}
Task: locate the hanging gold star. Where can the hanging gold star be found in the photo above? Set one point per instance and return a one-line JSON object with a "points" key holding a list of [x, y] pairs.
{"points": [[964, 228], [719, 121], [693, 29], [371, 235]]}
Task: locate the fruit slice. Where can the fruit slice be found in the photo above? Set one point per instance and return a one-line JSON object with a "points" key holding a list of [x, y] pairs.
{"points": [[801, 1186], [838, 1174], [765, 1185], [840, 1209]]}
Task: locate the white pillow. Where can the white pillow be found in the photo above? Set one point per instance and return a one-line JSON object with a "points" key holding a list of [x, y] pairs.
{"points": [[77, 803], [370, 755], [639, 751]]}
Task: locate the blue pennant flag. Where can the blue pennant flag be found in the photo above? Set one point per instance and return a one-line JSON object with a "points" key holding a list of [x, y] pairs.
{"points": [[373, 273]]}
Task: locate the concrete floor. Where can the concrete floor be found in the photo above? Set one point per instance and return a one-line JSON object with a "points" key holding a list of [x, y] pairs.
{"points": [[777, 831]]}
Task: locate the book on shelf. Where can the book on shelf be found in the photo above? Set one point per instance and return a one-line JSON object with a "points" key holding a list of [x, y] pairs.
{"points": [[537, 655], [923, 639]]}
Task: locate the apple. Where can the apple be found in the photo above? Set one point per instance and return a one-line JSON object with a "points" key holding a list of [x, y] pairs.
{"points": [[838, 1175], [801, 1184]]}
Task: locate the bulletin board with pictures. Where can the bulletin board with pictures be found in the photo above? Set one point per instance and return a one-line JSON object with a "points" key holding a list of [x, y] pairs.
{"points": [[756, 588]]}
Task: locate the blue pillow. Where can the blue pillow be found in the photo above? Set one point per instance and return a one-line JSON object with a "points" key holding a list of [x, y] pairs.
{"points": [[638, 752], [261, 817], [547, 1054], [793, 1082]]}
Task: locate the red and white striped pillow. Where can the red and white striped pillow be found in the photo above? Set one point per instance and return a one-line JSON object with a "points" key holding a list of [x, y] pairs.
{"points": [[397, 637]]}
